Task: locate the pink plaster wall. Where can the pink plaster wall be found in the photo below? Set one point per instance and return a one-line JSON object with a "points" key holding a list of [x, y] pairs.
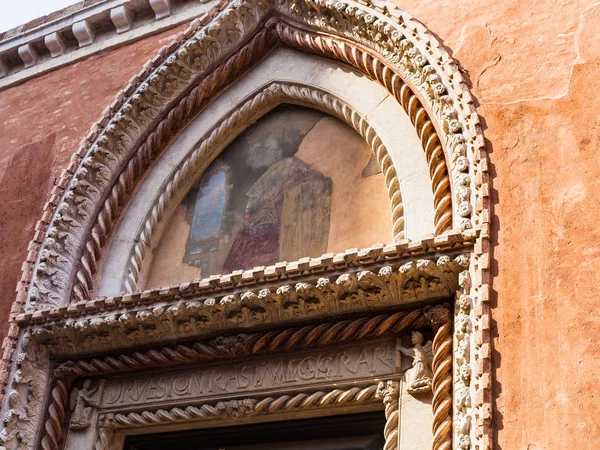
{"points": [[42, 122]]}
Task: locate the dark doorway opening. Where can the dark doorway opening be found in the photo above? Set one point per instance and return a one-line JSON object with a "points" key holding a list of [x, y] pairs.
{"points": [[346, 432]]}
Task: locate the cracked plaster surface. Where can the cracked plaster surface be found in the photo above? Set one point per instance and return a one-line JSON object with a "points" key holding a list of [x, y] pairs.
{"points": [[506, 46]]}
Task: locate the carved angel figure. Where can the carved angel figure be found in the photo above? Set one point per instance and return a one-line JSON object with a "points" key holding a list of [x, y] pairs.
{"points": [[83, 401], [418, 377]]}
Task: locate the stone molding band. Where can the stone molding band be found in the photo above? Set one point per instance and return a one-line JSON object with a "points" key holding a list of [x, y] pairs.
{"points": [[452, 245], [248, 407], [386, 286], [318, 335], [442, 382], [245, 345], [197, 161]]}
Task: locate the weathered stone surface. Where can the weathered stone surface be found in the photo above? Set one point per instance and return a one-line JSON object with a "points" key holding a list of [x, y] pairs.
{"points": [[276, 374]]}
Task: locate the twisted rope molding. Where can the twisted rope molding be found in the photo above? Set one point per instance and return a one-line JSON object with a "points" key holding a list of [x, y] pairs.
{"points": [[247, 407], [55, 422], [389, 392], [351, 53], [175, 120], [442, 385], [195, 162], [244, 345]]}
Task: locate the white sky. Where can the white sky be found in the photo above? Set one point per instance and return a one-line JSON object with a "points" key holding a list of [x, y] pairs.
{"points": [[16, 12]]}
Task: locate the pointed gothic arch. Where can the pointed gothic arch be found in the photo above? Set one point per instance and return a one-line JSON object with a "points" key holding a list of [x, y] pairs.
{"points": [[356, 100], [385, 44], [393, 49]]}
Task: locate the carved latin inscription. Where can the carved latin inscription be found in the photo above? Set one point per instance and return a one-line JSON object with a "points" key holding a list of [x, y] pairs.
{"points": [[375, 360]]}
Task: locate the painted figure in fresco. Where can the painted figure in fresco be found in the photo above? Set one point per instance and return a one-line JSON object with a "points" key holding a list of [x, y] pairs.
{"points": [[204, 248], [258, 203], [287, 211], [418, 377]]}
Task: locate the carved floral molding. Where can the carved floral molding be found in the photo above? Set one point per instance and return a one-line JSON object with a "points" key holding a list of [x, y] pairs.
{"points": [[354, 291], [67, 339]]}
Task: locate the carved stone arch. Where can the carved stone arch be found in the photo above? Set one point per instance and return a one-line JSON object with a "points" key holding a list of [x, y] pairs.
{"points": [[348, 96], [386, 44]]}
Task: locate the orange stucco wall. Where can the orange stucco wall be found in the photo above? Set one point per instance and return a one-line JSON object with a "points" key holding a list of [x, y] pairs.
{"points": [[534, 69]]}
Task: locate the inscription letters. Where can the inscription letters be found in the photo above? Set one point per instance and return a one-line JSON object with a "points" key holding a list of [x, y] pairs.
{"points": [[353, 363]]}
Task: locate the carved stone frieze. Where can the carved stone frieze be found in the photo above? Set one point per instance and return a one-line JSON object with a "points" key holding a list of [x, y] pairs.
{"points": [[299, 370], [241, 345], [23, 412], [350, 364], [450, 244], [386, 286], [463, 412]]}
